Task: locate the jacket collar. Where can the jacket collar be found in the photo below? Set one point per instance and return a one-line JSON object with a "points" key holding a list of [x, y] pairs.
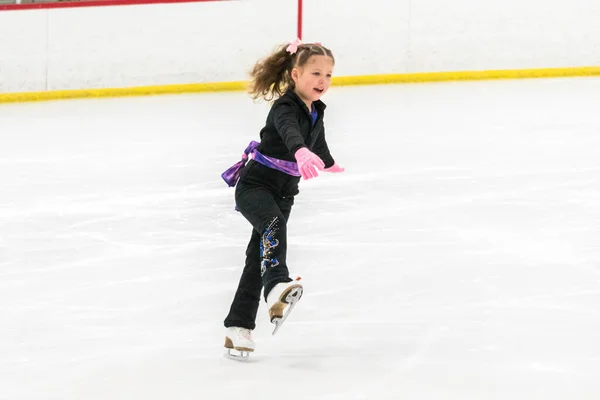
{"points": [[319, 105]]}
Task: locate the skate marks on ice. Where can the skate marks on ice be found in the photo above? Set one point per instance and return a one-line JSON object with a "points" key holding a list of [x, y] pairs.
{"points": [[496, 230], [361, 365]]}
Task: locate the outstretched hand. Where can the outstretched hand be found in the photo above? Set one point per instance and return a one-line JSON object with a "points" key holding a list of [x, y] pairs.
{"points": [[308, 163], [335, 168]]}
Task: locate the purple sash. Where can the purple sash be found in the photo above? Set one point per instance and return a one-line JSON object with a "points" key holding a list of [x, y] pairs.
{"points": [[232, 174]]}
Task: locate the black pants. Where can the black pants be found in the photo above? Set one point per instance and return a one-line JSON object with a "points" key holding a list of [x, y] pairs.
{"points": [[266, 253]]}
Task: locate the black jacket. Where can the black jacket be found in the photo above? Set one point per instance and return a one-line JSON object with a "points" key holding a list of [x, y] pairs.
{"points": [[288, 127]]}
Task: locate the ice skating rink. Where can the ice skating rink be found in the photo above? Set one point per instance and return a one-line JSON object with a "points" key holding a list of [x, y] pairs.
{"points": [[457, 258]]}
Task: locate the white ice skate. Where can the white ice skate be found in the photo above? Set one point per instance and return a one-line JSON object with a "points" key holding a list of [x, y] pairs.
{"points": [[238, 342], [282, 299]]}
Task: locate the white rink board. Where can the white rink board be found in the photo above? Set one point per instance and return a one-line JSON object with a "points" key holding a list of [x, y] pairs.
{"points": [[155, 44]]}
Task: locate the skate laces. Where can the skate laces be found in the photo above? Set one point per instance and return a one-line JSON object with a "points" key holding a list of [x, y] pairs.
{"points": [[243, 332]]}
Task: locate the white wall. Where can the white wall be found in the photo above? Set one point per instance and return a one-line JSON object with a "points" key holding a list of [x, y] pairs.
{"points": [[121, 46], [400, 36], [23, 51], [504, 34], [138, 45]]}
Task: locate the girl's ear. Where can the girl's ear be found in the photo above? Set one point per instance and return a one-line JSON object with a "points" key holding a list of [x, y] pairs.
{"points": [[294, 74]]}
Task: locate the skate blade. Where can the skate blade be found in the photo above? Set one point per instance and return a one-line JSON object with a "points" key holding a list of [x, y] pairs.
{"points": [[290, 295], [290, 298], [236, 353]]}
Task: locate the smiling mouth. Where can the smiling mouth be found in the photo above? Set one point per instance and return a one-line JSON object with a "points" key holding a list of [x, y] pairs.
{"points": [[318, 90]]}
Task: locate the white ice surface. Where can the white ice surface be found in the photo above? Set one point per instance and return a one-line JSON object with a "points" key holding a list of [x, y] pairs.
{"points": [[458, 257]]}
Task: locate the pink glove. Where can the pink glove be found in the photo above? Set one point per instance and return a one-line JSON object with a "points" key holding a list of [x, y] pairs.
{"points": [[308, 163], [335, 168]]}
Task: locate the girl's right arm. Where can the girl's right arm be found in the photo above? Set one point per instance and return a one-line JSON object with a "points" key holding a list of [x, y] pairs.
{"points": [[286, 122]]}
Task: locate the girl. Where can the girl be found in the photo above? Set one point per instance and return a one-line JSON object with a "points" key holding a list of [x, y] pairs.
{"points": [[292, 146]]}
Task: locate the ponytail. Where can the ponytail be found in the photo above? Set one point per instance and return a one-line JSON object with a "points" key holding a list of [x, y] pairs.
{"points": [[271, 76]]}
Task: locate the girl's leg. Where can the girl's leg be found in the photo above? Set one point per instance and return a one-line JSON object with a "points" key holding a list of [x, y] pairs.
{"points": [[266, 253], [268, 215], [247, 297]]}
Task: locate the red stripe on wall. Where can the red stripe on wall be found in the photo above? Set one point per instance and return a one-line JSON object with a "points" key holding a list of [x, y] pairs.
{"points": [[93, 3], [299, 19]]}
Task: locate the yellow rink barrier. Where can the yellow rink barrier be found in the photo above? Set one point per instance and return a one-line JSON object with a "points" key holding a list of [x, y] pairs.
{"points": [[423, 77]]}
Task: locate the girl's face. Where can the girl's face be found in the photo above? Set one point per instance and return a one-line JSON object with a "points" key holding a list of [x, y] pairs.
{"points": [[313, 78]]}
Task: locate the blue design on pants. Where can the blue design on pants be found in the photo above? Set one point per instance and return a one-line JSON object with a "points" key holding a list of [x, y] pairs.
{"points": [[267, 244]]}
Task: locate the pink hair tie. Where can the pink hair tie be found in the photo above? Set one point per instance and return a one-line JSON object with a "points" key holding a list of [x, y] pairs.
{"points": [[293, 47]]}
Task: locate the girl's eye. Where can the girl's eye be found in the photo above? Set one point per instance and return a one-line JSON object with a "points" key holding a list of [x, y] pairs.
{"points": [[316, 74]]}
